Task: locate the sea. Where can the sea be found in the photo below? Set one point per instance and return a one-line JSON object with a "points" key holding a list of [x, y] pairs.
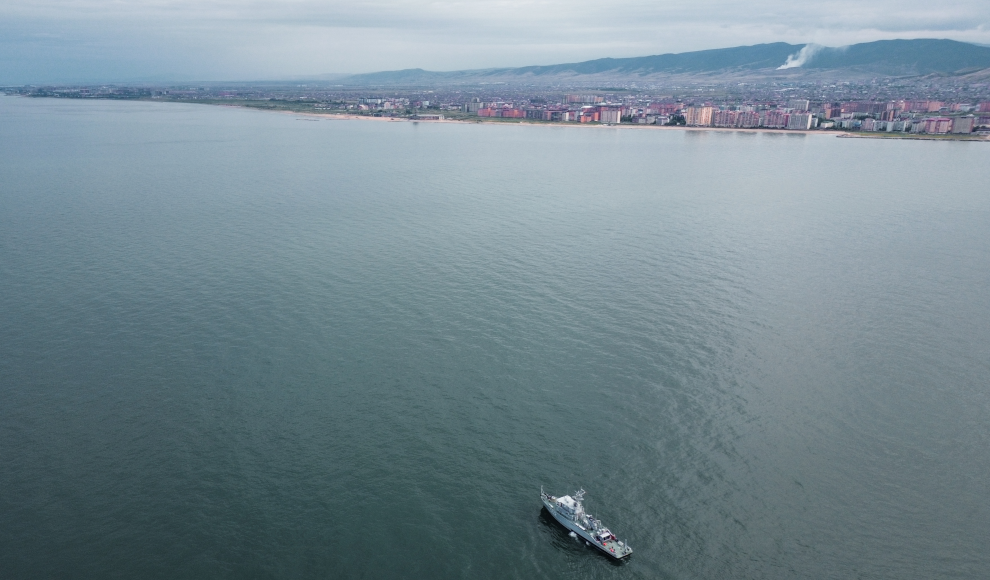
{"points": [[244, 344]]}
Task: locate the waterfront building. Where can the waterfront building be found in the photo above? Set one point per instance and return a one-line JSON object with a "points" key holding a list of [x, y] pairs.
{"points": [[800, 121], [609, 115], [963, 124], [748, 119], [725, 118], [775, 119], [741, 119], [589, 116], [938, 125], [699, 116]]}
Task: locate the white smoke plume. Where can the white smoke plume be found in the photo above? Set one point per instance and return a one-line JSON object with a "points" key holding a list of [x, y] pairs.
{"points": [[802, 57]]}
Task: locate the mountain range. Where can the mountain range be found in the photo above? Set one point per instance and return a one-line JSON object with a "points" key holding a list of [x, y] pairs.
{"points": [[889, 58]]}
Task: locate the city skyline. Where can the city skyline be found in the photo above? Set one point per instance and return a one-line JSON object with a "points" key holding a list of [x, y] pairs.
{"points": [[908, 108]]}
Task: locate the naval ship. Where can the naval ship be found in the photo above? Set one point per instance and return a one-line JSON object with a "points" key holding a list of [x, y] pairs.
{"points": [[569, 511]]}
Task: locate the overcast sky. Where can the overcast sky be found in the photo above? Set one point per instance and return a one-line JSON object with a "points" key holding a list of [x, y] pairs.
{"points": [[96, 40]]}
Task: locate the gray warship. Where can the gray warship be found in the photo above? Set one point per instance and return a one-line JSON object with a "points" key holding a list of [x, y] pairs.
{"points": [[569, 511]]}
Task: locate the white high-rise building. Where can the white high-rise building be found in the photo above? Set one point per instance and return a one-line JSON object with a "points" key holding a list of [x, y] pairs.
{"points": [[609, 115], [799, 121]]}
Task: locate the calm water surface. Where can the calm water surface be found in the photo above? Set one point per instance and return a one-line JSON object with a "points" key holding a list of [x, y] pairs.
{"points": [[244, 345]]}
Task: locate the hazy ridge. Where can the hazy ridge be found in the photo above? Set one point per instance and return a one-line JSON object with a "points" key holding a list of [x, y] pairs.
{"points": [[885, 57]]}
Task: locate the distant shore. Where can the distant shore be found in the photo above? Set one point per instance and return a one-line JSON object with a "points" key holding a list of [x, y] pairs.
{"points": [[487, 121], [919, 136], [527, 122]]}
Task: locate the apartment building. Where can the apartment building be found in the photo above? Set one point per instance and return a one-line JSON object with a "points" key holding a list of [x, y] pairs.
{"points": [[699, 116]]}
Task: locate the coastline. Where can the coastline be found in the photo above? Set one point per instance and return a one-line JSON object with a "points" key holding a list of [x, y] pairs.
{"points": [[625, 126], [485, 121], [920, 136]]}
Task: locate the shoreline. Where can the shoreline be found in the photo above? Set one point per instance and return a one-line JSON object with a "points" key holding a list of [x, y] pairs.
{"points": [[919, 136], [625, 126], [482, 121]]}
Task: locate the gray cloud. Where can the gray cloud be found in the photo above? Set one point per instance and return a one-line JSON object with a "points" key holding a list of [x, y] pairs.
{"points": [[48, 40]]}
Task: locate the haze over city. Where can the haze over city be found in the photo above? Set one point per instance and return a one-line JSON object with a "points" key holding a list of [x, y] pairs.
{"points": [[133, 40]]}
